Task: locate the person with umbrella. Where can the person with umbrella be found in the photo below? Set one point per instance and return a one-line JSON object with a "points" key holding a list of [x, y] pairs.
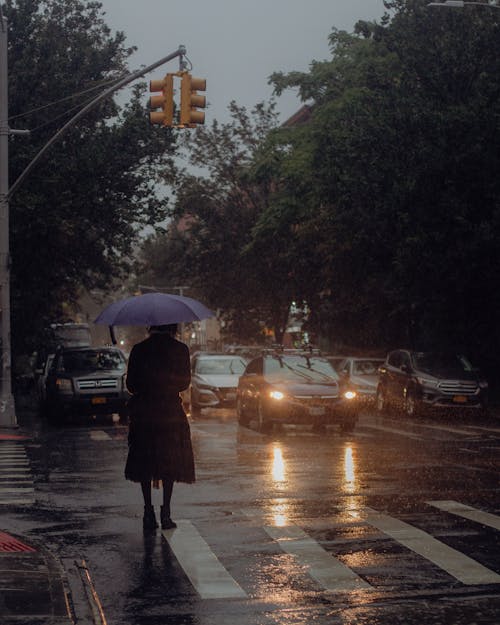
{"points": [[158, 370], [159, 435]]}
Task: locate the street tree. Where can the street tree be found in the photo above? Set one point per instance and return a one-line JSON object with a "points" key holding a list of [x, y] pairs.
{"points": [[219, 219], [76, 218]]}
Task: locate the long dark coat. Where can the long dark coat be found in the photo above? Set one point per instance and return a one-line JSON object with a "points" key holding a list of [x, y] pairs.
{"points": [[159, 435]]}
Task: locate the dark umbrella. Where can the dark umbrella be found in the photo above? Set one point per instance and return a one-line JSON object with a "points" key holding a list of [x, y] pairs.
{"points": [[153, 309]]}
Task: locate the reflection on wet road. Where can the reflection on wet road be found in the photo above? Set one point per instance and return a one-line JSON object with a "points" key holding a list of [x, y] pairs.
{"points": [[288, 527]]}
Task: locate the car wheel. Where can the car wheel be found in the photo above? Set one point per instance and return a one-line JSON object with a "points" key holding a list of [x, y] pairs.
{"points": [[263, 420], [412, 405], [380, 401], [243, 418]]}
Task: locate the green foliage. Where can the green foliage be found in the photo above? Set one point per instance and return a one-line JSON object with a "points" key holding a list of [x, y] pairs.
{"points": [[404, 145], [76, 217]]}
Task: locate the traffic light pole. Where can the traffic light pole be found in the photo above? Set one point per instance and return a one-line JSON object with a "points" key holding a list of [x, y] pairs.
{"points": [[7, 404]]}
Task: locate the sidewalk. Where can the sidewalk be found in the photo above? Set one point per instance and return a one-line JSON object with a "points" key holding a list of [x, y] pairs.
{"points": [[33, 590]]}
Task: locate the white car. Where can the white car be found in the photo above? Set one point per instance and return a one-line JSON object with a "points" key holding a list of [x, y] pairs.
{"points": [[214, 380], [362, 374]]}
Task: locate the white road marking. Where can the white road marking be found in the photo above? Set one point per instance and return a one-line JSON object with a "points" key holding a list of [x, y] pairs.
{"points": [[15, 473], [209, 578], [330, 573], [445, 429], [99, 435], [467, 512], [460, 566]]}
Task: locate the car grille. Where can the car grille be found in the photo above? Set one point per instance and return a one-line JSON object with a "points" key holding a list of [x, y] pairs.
{"points": [[458, 387], [316, 400], [98, 384]]}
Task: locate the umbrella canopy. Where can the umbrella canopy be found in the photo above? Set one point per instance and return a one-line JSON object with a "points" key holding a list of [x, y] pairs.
{"points": [[153, 309]]}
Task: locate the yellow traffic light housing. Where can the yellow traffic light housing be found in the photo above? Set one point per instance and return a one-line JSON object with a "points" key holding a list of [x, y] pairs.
{"points": [[164, 101], [191, 101]]}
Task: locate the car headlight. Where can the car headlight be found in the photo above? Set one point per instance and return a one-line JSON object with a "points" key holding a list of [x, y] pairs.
{"points": [[483, 384], [64, 384], [278, 395], [429, 382], [350, 394]]}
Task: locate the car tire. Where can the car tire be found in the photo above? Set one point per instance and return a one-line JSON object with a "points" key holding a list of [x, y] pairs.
{"points": [[380, 401], [264, 423], [243, 418], [412, 405]]}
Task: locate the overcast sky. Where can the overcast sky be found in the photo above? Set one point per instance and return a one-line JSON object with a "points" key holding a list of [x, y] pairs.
{"points": [[236, 44]]}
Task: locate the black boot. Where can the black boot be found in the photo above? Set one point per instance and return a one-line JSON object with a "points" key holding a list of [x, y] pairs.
{"points": [[149, 523], [166, 521]]}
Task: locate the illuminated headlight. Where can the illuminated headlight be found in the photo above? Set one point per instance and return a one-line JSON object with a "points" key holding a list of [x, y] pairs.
{"points": [[278, 395], [63, 384], [350, 394]]}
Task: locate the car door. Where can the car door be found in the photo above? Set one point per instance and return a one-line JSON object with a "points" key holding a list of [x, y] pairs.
{"points": [[393, 376]]}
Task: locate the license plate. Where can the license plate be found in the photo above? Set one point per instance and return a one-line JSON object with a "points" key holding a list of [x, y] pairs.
{"points": [[460, 399], [98, 400], [316, 411]]}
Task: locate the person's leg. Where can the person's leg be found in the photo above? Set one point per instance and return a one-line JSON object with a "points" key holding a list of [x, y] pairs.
{"points": [[146, 493], [166, 521], [149, 520]]}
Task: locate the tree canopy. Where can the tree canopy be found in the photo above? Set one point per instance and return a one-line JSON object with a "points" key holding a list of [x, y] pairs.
{"points": [[75, 219]]}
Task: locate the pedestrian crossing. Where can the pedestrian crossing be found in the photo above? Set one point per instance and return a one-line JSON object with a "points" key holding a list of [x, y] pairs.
{"points": [[315, 559], [16, 480]]}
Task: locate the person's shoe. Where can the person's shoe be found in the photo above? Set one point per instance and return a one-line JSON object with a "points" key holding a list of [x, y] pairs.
{"points": [[149, 523], [166, 521]]}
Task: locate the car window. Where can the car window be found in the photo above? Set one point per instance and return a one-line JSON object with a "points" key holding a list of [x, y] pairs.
{"points": [[365, 367], [300, 369], [405, 360], [91, 360], [220, 366], [442, 364], [394, 359]]}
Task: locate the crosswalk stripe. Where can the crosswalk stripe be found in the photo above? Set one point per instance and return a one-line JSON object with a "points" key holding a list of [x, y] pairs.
{"points": [[330, 573], [16, 485], [467, 512], [460, 566], [210, 579]]}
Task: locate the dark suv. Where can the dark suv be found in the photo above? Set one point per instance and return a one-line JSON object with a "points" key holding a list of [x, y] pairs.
{"points": [[86, 380], [419, 381]]}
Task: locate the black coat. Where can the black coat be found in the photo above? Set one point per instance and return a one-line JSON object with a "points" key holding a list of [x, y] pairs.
{"points": [[159, 435]]}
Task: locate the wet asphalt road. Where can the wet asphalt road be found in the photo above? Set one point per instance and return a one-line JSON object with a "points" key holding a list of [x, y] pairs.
{"points": [[386, 525]]}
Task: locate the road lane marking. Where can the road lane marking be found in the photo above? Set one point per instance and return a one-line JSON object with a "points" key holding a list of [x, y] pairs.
{"points": [[207, 575], [99, 435], [330, 573], [446, 429], [460, 566], [467, 512]]}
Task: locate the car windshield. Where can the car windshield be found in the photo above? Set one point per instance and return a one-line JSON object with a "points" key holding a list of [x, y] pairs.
{"points": [[92, 360], [365, 367], [441, 364], [220, 366], [300, 369]]}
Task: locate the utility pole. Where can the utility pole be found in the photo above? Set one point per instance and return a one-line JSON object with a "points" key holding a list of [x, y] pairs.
{"points": [[7, 404], [7, 410]]}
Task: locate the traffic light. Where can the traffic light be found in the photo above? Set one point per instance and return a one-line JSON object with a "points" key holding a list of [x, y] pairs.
{"points": [[164, 101], [191, 101]]}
